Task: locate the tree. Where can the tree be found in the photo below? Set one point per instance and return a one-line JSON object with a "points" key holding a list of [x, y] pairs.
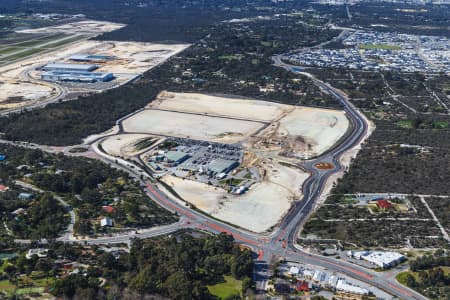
{"points": [[247, 284], [410, 280], [178, 286]]}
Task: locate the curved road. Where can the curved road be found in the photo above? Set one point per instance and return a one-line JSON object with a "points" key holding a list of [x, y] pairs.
{"points": [[279, 244]]}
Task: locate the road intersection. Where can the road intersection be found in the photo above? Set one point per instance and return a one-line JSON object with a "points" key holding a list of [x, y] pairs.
{"points": [[281, 243]]}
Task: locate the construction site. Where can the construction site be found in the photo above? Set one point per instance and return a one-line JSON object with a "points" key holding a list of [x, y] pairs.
{"points": [[68, 63], [238, 160]]}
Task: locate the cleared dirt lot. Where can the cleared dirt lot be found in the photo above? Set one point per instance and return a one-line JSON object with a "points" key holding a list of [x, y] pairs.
{"points": [[193, 126], [257, 210], [122, 144], [15, 93], [134, 57], [221, 106], [320, 128], [309, 131], [289, 178], [271, 135]]}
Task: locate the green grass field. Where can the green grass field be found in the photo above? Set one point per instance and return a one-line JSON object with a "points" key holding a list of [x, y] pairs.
{"points": [[65, 41], [226, 289], [28, 290], [401, 277], [233, 181], [231, 57], [440, 124], [405, 124], [379, 46], [8, 50], [6, 286], [23, 54], [38, 286], [349, 200]]}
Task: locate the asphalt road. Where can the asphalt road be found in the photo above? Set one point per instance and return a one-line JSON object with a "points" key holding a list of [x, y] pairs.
{"points": [[281, 242]]}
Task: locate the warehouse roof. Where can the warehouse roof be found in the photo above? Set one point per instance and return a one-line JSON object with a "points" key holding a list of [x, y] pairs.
{"points": [[383, 258], [342, 285], [80, 67], [175, 155], [222, 165], [76, 74]]}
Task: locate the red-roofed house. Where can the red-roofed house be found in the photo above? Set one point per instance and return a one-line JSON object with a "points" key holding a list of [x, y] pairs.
{"points": [[3, 188], [302, 286], [108, 209], [384, 204]]}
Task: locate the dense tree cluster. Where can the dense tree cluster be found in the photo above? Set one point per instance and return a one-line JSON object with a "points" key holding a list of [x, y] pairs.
{"points": [[178, 267], [86, 184], [429, 277], [439, 259], [43, 216]]}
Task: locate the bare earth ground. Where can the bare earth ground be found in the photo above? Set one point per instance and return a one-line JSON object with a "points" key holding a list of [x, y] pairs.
{"points": [[220, 106], [227, 120], [199, 127], [14, 92], [134, 57], [94, 137], [321, 128], [122, 144], [257, 210]]}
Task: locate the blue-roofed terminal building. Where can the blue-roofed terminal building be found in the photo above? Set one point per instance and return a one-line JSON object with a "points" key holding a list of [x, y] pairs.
{"points": [[72, 76], [74, 73], [69, 67]]}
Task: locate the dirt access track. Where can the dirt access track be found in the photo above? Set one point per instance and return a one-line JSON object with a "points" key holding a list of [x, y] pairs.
{"points": [[274, 136]]}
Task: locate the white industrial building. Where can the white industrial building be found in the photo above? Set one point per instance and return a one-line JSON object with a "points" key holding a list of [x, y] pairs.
{"points": [[381, 259], [343, 286]]}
